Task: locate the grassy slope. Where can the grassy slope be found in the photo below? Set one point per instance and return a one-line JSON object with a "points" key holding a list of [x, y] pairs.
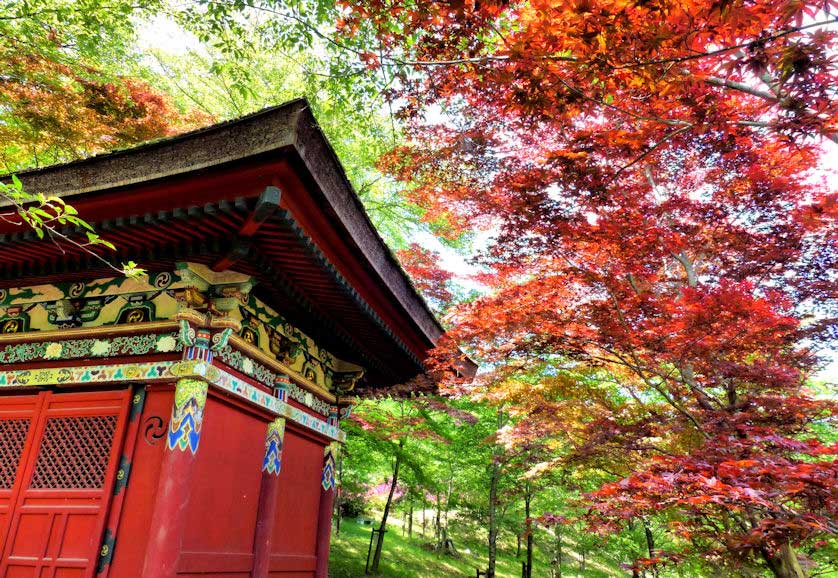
{"points": [[405, 558]]}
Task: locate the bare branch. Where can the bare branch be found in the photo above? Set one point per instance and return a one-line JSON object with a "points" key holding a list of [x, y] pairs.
{"points": [[651, 149], [689, 269], [735, 47], [765, 95]]}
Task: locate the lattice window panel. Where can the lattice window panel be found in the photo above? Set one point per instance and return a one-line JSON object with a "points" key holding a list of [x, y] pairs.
{"points": [[74, 452], [12, 439]]}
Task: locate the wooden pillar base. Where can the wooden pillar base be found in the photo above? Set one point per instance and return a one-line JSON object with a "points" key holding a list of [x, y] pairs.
{"points": [[169, 517], [268, 492], [324, 513], [324, 532]]}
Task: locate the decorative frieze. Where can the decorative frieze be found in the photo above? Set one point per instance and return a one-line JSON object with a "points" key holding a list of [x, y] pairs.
{"points": [[166, 371], [224, 296], [85, 348], [86, 374], [241, 362]]}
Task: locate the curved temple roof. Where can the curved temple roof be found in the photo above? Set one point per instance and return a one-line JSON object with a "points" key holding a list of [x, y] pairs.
{"points": [[264, 195]]}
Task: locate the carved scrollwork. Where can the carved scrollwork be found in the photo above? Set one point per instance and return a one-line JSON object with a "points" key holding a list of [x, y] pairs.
{"points": [[154, 429]]}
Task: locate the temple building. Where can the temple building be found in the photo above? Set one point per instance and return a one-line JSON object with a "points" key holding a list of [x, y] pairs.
{"points": [[187, 424]]}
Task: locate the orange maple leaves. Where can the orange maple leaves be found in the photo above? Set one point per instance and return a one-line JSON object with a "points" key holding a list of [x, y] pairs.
{"points": [[58, 112], [649, 170]]}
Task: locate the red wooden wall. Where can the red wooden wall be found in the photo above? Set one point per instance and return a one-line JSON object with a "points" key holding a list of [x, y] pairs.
{"points": [[225, 493], [135, 519], [295, 529], [222, 508]]}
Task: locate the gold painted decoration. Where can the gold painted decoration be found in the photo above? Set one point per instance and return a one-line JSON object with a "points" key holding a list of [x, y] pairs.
{"points": [[165, 371], [191, 293], [187, 415], [273, 446]]}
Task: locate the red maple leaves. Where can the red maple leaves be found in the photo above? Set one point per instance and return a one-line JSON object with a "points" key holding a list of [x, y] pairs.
{"points": [[431, 279], [649, 170]]}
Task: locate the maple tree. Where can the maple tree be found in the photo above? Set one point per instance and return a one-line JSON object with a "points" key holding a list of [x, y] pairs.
{"points": [[650, 171], [57, 114], [390, 429], [54, 112], [432, 280], [60, 100]]}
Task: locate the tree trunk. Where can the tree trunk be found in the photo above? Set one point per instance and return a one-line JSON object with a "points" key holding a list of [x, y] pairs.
{"points": [[448, 493], [559, 553], [783, 563], [383, 527], [493, 501], [424, 516], [518, 549], [410, 520], [650, 544], [527, 501], [438, 528]]}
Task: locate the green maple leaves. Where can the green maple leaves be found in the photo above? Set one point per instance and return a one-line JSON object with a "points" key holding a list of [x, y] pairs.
{"points": [[52, 218]]}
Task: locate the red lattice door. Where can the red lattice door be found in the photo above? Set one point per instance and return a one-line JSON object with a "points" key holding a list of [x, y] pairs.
{"points": [[17, 414], [56, 509]]}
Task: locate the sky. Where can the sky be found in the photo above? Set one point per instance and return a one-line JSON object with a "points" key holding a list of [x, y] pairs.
{"points": [[830, 163]]}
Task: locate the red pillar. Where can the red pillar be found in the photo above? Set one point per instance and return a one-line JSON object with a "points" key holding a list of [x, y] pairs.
{"points": [[324, 514], [168, 519], [268, 491]]}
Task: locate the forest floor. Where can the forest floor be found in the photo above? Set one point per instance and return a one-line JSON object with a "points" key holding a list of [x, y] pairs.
{"points": [[404, 557]]}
